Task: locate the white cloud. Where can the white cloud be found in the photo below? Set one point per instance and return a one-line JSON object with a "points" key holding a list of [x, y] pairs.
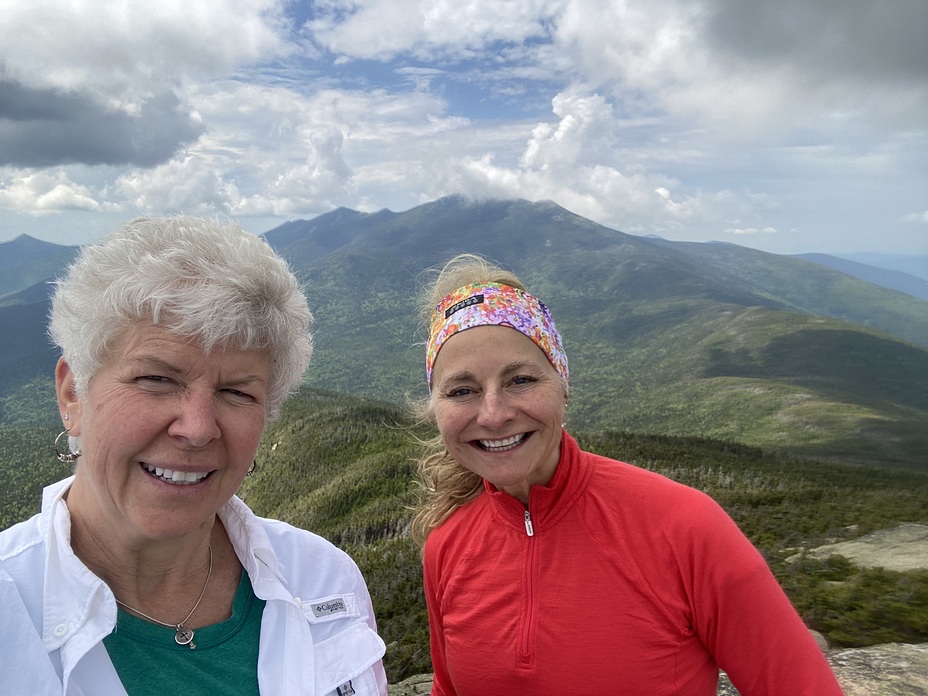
{"points": [[123, 49], [45, 192], [105, 82], [752, 68], [750, 230], [690, 118], [304, 154], [380, 29], [916, 217], [189, 185], [316, 184], [582, 161]]}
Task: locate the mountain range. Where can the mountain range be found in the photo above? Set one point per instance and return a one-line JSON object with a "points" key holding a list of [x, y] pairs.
{"points": [[713, 340]]}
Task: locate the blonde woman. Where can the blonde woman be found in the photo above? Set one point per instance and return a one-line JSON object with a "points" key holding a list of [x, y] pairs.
{"points": [[549, 570]]}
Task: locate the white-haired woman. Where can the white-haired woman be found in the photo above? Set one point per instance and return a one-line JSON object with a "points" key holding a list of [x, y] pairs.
{"points": [[144, 573], [550, 570]]}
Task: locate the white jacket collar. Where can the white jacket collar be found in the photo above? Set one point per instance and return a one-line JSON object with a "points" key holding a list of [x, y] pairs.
{"points": [[72, 590]]}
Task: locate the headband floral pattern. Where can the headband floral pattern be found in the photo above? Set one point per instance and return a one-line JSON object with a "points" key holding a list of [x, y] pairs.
{"points": [[494, 304]]}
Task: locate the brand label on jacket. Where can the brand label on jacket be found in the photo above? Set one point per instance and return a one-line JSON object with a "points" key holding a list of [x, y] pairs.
{"points": [[328, 608]]}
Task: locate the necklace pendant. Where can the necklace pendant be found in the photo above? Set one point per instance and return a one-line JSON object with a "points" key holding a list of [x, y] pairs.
{"points": [[184, 636]]}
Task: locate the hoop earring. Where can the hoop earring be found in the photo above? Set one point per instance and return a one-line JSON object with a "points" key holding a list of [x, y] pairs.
{"points": [[254, 466], [65, 457]]}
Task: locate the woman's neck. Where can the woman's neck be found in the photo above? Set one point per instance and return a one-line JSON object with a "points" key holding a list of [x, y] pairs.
{"points": [[163, 578]]}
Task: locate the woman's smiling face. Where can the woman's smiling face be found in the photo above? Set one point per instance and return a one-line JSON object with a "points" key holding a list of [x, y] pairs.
{"points": [[167, 433], [499, 404]]}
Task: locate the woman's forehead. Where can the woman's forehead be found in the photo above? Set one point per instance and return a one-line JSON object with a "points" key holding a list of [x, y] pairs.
{"points": [[488, 346]]}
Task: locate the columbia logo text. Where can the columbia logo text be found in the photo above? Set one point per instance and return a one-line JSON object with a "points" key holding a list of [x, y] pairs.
{"points": [[333, 606]]}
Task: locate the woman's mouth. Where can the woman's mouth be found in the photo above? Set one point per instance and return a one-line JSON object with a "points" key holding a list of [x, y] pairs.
{"points": [[502, 445], [178, 478]]}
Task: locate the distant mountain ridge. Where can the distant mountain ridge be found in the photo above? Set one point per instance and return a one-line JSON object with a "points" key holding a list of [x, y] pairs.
{"points": [[666, 337], [915, 265], [894, 280], [25, 261]]}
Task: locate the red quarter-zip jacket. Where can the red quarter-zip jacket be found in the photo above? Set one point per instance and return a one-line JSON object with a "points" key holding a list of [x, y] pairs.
{"points": [[615, 580]]}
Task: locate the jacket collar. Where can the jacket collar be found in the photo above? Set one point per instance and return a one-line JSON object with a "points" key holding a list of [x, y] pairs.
{"points": [[254, 550], [78, 609], [78, 604], [547, 504]]}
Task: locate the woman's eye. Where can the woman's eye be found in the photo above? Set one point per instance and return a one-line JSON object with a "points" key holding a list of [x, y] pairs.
{"points": [[460, 391], [238, 394], [522, 379]]}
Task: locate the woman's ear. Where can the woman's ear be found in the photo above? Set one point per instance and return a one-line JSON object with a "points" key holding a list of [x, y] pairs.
{"points": [[69, 406]]}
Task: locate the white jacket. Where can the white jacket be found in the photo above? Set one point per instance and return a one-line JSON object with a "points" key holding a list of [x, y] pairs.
{"points": [[318, 635]]}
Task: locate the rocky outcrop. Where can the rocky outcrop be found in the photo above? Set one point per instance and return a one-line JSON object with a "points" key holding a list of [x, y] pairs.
{"points": [[420, 684], [894, 668], [902, 548]]}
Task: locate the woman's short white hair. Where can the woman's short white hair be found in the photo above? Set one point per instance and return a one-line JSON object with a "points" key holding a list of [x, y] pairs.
{"points": [[213, 283]]}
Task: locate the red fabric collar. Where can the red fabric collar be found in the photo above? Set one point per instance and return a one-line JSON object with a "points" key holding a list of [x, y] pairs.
{"points": [[547, 504]]}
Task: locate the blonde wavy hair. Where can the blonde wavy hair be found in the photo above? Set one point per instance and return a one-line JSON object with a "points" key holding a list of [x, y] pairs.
{"points": [[445, 485]]}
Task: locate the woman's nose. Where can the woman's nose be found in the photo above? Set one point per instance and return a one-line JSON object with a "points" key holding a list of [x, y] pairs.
{"points": [[494, 409], [196, 420]]}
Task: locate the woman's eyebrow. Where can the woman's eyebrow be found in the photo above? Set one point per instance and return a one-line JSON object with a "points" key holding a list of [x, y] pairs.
{"points": [[244, 379], [466, 375], [517, 365], [156, 363], [462, 376]]}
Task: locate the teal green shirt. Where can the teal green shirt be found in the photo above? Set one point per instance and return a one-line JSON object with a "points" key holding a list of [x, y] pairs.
{"points": [[225, 661]]}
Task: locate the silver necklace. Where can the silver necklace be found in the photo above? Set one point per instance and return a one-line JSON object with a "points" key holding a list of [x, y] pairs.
{"points": [[184, 635]]}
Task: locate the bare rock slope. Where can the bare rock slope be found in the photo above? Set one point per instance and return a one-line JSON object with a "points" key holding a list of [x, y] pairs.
{"points": [[902, 548]]}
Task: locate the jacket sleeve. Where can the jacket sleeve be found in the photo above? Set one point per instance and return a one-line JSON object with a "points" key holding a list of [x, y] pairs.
{"points": [[441, 686], [744, 618], [380, 674]]}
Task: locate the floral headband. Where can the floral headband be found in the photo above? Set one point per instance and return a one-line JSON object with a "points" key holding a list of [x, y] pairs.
{"points": [[494, 304]]}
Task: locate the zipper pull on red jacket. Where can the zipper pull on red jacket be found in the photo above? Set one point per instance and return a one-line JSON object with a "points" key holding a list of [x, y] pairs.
{"points": [[528, 524]]}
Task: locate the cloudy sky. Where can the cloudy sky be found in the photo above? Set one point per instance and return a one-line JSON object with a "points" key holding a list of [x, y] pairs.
{"points": [[791, 126]]}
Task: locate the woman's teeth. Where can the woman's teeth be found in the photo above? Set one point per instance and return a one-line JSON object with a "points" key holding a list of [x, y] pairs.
{"points": [[178, 477], [502, 445]]}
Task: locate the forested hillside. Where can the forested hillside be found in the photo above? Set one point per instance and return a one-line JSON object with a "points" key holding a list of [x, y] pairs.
{"points": [[27, 464]]}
